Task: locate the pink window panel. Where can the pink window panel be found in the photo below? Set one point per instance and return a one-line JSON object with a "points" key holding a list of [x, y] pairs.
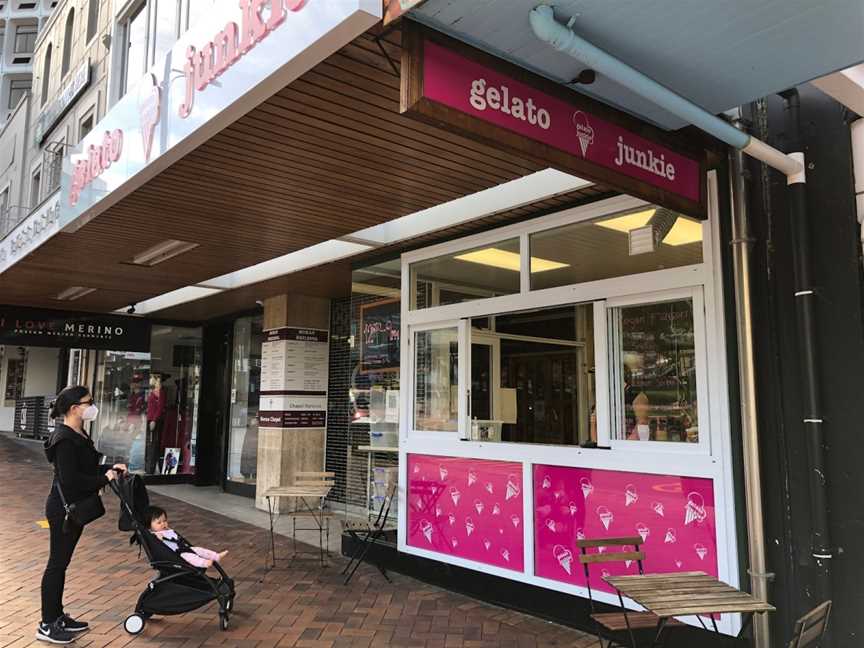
{"points": [[467, 508], [674, 515]]}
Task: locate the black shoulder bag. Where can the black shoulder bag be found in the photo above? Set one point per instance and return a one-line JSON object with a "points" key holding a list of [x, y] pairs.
{"points": [[81, 513]]}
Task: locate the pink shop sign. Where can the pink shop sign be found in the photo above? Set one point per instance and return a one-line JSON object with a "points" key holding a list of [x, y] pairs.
{"points": [[458, 82], [675, 516], [467, 508]]}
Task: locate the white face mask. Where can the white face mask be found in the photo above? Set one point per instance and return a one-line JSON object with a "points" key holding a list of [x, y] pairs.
{"points": [[90, 413]]}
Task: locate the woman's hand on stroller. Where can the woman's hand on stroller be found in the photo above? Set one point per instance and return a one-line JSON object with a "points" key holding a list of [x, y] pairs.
{"points": [[110, 475]]}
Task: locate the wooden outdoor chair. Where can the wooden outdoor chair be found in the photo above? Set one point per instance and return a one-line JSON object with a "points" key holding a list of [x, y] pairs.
{"points": [[618, 627], [315, 482], [366, 534], [811, 628]]}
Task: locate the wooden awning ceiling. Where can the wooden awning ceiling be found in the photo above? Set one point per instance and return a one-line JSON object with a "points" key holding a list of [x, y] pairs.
{"points": [[328, 155]]}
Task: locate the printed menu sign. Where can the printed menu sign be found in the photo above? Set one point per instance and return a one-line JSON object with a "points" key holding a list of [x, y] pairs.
{"points": [[294, 369]]}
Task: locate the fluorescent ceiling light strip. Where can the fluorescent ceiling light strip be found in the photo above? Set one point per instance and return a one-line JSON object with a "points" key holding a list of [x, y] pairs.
{"points": [[507, 260], [173, 298], [74, 292], [162, 252], [509, 195]]}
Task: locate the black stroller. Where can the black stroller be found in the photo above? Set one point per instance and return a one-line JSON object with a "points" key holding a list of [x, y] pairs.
{"points": [[179, 587]]}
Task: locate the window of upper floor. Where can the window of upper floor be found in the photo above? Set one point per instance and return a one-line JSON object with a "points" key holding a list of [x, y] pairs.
{"points": [[68, 43]]}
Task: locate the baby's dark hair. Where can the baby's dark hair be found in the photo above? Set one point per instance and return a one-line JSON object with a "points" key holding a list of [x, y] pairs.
{"points": [[154, 513]]}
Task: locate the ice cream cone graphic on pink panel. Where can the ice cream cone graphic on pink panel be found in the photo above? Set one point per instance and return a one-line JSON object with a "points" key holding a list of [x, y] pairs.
{"points": [[630, 495], [564, 557], [694, 510], [643, 531], [584, 131], [513, 489], [606, 516], [427, 529], [586, 486]]}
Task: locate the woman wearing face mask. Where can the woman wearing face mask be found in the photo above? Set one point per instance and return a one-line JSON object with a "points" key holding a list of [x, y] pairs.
{"points": [[77, 468]]}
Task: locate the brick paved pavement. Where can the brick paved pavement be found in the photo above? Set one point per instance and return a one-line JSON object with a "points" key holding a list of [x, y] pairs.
{"points": [[302, 606]]}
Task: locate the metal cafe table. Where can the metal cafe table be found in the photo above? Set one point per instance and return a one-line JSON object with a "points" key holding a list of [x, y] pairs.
{"points": [[687, 594]]}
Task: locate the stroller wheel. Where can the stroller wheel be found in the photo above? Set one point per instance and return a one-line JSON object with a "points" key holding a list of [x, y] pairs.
{"points": [[134, 624], [223, 621]]}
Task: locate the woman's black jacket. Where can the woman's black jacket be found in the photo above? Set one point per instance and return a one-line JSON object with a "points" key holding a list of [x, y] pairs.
{"points": [[76, 466]]}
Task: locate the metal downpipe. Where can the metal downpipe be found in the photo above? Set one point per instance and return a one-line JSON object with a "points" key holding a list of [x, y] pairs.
{"points": [[742, 244]]}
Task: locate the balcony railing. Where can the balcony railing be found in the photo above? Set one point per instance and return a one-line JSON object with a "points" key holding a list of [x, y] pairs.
{"points": [[10, 217]]}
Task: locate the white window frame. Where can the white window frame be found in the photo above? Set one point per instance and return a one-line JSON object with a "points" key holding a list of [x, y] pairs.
{"points": [[715, 463], [694, 293]]}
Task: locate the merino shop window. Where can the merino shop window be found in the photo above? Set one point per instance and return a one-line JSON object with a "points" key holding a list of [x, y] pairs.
{"points": [[644, 240], [532, 377]]}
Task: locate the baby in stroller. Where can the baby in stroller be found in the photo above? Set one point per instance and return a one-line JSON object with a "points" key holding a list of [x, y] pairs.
{"points": [[157, 520]]}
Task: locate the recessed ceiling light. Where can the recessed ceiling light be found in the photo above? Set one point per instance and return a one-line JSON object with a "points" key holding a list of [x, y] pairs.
{"points": [[162, 252], [508, 260], [627, 222], [74, 292], [684, 231]]}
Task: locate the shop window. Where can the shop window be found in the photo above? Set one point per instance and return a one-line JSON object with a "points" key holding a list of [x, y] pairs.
{"points": [[654, 371], [478, 273], [642, 240], [92, 18], [436, 380], [148, 403], [68, 40], [36, 187], [242, 465], [134, 30], [85, 126], [532, 377], [15, 369]]}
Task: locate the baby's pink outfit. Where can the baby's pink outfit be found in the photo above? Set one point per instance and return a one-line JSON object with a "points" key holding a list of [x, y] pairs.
{"points": [[200, 556]]}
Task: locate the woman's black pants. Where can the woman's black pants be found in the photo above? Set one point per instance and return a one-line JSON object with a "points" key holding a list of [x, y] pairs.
{"points": [[54, 578]]}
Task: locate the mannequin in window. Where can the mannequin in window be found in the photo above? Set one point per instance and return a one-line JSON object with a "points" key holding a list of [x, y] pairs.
{"points": [[156, 408]]}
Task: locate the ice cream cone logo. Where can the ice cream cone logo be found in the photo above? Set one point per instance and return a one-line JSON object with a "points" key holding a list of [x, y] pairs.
{"points": [[426, 528], [573, 508], [455, 495], [559, 495], [515, 520], [627, 563], [416, 469], [584, 131], [505, 555], [547, 483], [500, 531], [454, 542], [550, 524], [605, 516], [657, 507], [643, 531], [472, 477], [496, 509], [564, 557], [694, 511], [469, 526], [630, 495], [580, 534], [679, 564], [701, 550], [438, 511], [587, 487], [513, 489], [601, 550], [487, 544], [489, 488], [442, 473], [604, 574], [451, 519], [478, 506], [671, 537], [149, 109]]}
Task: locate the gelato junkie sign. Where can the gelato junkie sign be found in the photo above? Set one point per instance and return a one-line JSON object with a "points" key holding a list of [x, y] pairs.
{"points": [[49, 328]]}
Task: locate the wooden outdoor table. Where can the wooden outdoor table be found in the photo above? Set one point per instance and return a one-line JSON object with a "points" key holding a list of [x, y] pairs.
{"points": [[686, 594], [304, 494]]}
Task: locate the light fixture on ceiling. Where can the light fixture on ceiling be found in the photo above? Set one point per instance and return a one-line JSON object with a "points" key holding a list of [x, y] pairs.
{"points": [[162, 252], [676, 229], [74, 292], [684, 231], [506, 260], [627, 222]]}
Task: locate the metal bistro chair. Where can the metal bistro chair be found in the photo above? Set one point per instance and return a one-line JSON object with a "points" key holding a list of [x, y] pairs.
{"points": [[811, 628], [365, 534], [617, 627]]}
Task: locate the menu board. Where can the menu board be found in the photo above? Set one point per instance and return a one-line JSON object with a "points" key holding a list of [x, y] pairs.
{"points": [[294, 371], [379, 339]]}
